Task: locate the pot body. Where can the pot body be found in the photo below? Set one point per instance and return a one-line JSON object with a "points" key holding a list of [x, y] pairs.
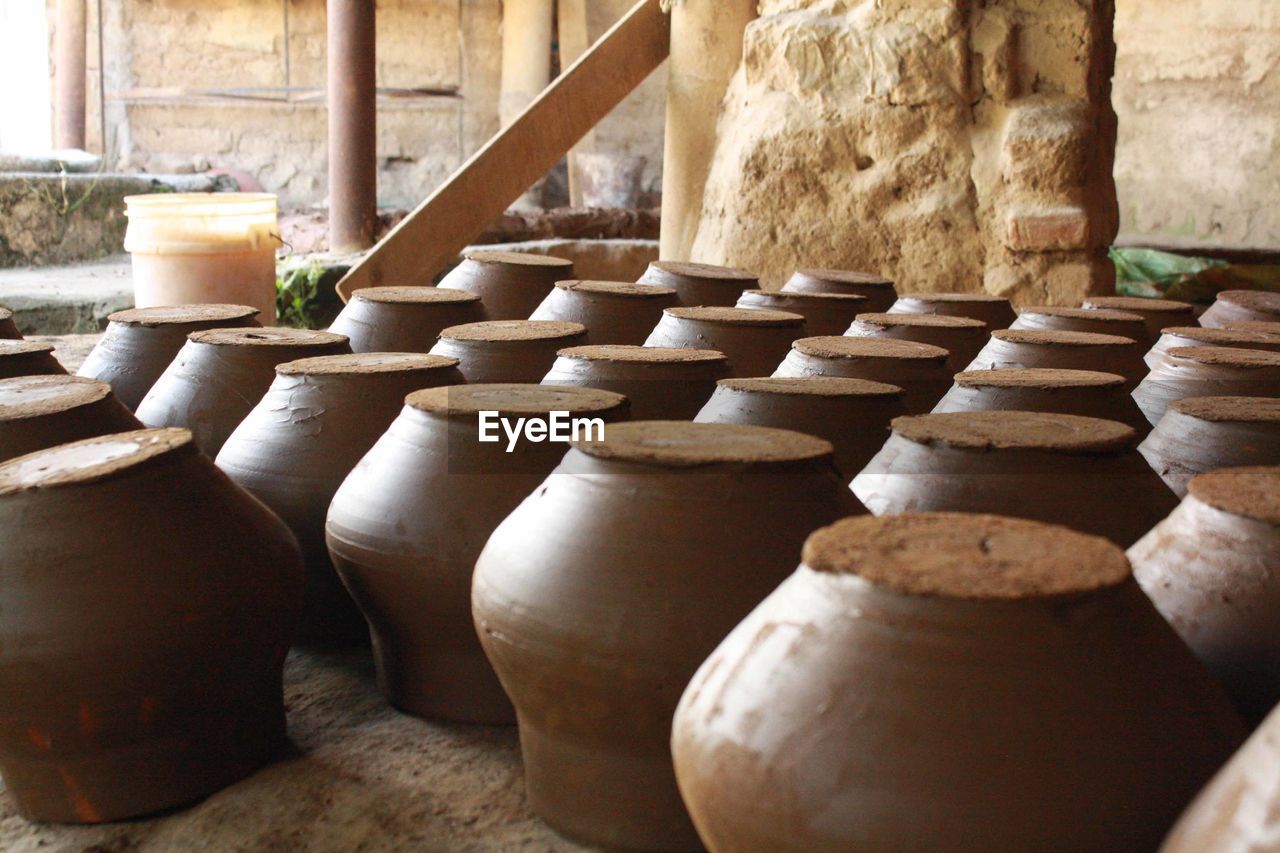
{"points": [[1184, 445], [1176, 377], [1108, 354], [8, 329], [1108, 402], [962, 343], [923, 381], [823, 313], [672, 389], [525, 362], [28, 358], [700, 285], [1158, 314], [878, 291], [1179, 336], [1092, 321], [624, 317], [42, 411], [994, 311], [1242, 306], [752, 350], [404, 319], [510, 284]]}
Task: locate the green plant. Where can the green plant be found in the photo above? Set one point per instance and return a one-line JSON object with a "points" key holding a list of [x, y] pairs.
{"points": [[298, 296]]}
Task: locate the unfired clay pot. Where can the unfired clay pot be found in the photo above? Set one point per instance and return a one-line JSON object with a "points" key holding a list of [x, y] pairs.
{"points": [[149, 603], [852, 414], [1080, 472], [949, 683], [1157, 313], [320, 416], [878, 290], [27, 358], [962, 337], [140, 343], [1242, 306], [823, 313], [660, 382], [1197, 336], [1051, 318], [8, 329], [1067, 392], [614, 312], [602, 593], [700, 284], [512, 351], [510, 284], [754, 340], [919, 369], [407, 525], [1255, 326], [221, 374], [994, 312], [1201, 434], [404, 319], [40, 411], [1185, 372], [1064, 351]]}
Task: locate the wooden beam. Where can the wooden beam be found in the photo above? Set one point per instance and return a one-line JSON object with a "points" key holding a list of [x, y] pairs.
{"points": [[428, 239]]}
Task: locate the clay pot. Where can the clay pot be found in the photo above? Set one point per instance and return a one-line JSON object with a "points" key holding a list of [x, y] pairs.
{"points": [[510, 284], [661, 383], [602, 593], [949, 682], [1063, 351], [994, 312], [41, 411], [754, 340], [148, 606], [519, 351], [1201, 434], [879, 291], [823, 313], [27, 358], [852, 414], [614, 312], [1185, 372], [140, 343], [1196, 336], [8, 329], [406, 526], [1066, 392], [221, 374], [292, 452], [1254, 326], [700, 284], [1242, 306], [1062, 469], [962, 337], [1098, 321], [920, 370], [404, 319], [1158, 314]]}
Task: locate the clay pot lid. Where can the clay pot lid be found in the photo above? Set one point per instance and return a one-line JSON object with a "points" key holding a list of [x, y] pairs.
{"points": [[92, 459], [1268, 326], [848, 277], [515, 330], [704, 272], [8, 347], [513, 399], [1103, 314], [179, 315], [6, 314], [1228, 356], [683, 444], [760, 317], [518, 259], [833, 346], [961, 556], [943, 296], [266, 337], [1261, 301], [1140, 305], [36, 396], [1017, 431], [1249, 492], [812, 386], [1260, 410], [414, 295], [618, 288], [1040, 337], [1223, 336], [800, 297], [932, 321], [366, 363], [1045, 378], [641, 354]]}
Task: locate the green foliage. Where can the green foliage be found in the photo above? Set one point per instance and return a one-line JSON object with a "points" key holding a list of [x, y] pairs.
{"points": [[298, 297]]}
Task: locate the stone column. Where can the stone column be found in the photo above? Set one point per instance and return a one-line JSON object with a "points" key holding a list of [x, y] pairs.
{"points": [[69, 52], [526, 54]]}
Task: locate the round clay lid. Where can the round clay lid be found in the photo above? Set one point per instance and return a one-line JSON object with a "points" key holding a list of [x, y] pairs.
{"points": [[366, 363], [848, 277], [36, 396], [1038, 377], [1270, 327], [952, 297], [1140, 305], [801, 297], [1039, 337], [623, 289], [518, 259], [956, 555], [1252, 410], [92, 459], [833, 346], [1228, 356], [180, 315], [1223, 337], [8, 347], [682, 444], [513, 399], [266, 337], [812, 386], [515, 330], [1017, 431], [736, 316], [641, 354], [1102, 314], [1261, 301], [932, 321], [707, 272], [1248, 492], [414, 295]]}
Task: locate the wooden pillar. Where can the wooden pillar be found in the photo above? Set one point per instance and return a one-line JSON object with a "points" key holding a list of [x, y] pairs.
{"points": [[526, 55], [353, 125], [575, 38], [69, 59]]}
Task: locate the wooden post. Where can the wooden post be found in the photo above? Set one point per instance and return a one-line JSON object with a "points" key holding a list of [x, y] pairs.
{"points": [[353, 125], [575, 38], [69, 53]]}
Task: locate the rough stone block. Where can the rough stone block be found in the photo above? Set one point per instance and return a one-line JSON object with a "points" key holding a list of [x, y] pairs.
{"points": [[1054, 230]]}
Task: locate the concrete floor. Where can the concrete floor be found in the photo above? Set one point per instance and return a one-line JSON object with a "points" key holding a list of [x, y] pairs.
{"points": [[67, 299]]}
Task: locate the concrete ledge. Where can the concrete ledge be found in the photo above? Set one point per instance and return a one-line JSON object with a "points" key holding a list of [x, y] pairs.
{"points": [[73, 299]]}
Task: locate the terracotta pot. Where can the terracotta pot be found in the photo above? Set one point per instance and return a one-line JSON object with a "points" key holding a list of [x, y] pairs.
{"points": [[920, 370], [292, 452], [1201, 434], [661, 383], [823, 313], [407, 525], [1158, 314], [140, 343], [949, 682], [614, 312], [404, 319], [852, 414], [1098, 321], [519, 351], [994, 312], [1066, 392], [1063, 351], [41, 411], [510, 284], [701, 284], [1043, 467], [1242, 306], [962, 337], [27, 358], [879, 291], [1196, 336], [602, 593], [1185, 372], [754, 340], [221, 374], [8, 329], [148, 606]]}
